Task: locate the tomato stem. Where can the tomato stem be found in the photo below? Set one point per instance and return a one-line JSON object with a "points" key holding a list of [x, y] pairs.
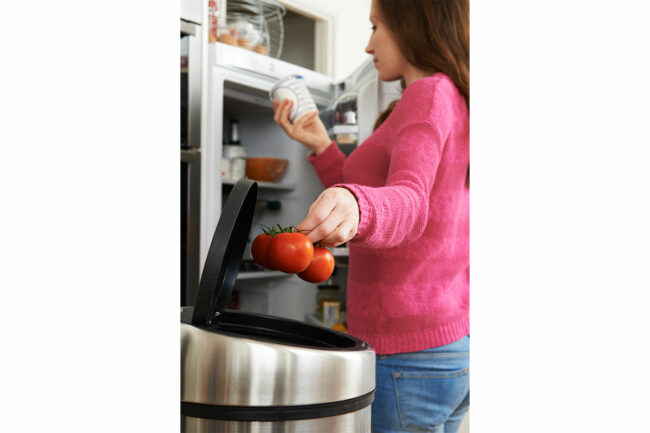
{"points": [[276, 229]]}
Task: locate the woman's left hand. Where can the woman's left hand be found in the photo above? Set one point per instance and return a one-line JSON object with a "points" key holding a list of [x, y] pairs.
{"points": [[333, 218]]}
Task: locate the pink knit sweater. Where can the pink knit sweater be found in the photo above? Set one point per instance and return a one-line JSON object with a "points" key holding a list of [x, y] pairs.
{"points": [[408, 281]]}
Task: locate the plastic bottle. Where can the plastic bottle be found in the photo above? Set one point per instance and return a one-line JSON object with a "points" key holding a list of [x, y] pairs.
{"points": [[328, 301], [234, 132], [237, 152]]}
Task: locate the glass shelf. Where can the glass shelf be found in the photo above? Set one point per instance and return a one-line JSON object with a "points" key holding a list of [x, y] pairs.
{"points": [[343, 129], [264, 185], [340, 251], [252, 275]]}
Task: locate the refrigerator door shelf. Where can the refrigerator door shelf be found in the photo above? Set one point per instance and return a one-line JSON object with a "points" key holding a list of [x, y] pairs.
{"points": [[254, 88], [265, 185], [344, 129]]}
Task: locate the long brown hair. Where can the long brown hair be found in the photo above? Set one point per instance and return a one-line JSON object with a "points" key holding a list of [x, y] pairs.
{"points": [[433, 35]]}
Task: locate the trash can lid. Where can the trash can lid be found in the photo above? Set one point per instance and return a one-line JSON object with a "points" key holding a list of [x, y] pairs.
{"points": [[225, 254]]}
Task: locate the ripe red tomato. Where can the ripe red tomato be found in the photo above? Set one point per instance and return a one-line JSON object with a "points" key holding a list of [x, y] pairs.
{"points": [[290, 252], [259, 250], [321, 266]]}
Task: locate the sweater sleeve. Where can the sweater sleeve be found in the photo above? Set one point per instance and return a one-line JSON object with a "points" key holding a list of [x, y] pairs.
{"points": [[397, 213], [329, 165]]}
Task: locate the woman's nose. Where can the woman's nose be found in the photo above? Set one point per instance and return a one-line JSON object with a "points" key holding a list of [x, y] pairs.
{"points": [[369, 48]]}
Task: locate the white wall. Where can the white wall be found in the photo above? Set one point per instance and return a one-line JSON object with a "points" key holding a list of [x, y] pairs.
{"points": [[351, 30]]}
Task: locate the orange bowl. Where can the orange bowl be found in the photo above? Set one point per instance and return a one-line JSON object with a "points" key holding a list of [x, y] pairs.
{"points": [[266, 169]]}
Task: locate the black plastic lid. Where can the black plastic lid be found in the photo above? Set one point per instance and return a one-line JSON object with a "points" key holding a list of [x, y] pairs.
{"points": [[225, 254]]}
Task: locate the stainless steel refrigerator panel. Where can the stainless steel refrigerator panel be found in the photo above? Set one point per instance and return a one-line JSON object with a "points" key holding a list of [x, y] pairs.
{"points": [[193, 33], [192, 209]]}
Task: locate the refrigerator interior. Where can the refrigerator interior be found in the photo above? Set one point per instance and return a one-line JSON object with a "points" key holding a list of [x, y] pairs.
{"points": [[239, 85], [272, 293]]}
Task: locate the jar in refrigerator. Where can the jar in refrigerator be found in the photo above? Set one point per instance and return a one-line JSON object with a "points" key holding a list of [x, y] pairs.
{"points": [[226, 168], [213, 33], [331, 312], [238, 167], [234, 133], [328, 302], [235, 156], [293, 87]]}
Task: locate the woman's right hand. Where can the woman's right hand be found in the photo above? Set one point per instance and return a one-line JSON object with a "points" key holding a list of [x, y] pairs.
{"points": [[308, 129]]}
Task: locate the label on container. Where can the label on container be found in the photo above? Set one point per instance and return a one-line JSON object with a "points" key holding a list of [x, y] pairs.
{"points": [[238, 168], [294, 88], [331, 311], [226, 168]]}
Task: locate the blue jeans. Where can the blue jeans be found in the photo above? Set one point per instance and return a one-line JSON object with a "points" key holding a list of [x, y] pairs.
{"points": [[425, 391]]}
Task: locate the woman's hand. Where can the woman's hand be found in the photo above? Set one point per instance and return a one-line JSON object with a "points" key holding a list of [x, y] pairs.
{"points": [[308, 129], [333, 218]]}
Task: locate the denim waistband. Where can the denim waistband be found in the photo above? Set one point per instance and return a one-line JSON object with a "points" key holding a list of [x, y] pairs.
{"points": [[455, 349]]}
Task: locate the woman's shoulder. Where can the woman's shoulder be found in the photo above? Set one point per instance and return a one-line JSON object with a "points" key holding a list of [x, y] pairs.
{"points": [[438, 88], [435, 100]]}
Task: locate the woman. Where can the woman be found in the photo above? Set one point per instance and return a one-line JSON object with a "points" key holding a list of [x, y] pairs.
{"points": [[402, 201]]}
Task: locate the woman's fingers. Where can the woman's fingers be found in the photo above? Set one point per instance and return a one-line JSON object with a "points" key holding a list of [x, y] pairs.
{"points": [[333, 231], [307, 129], [283, 117], [339, 235], [280, 113], [320, 223], [317, 213], [276, 112], [333, 218], [305, 120]]}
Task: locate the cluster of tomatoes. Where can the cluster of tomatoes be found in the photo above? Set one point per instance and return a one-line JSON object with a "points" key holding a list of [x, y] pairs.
{"points": [[287, 250]]}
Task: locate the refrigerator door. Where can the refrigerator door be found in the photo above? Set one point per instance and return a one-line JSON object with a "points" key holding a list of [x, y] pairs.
{"points": [[364, 86], [191, 10], [190, 85]]}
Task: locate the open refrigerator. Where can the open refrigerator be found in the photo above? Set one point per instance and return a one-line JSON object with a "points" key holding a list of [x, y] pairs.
{"points": [[238, 88]]}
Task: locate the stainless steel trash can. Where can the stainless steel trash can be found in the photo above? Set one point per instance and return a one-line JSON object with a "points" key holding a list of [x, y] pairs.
{"points": [[243, 372]]}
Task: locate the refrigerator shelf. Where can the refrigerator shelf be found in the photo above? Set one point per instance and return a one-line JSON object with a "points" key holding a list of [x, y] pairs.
{"points": [[264, 185], [340, 251], [252, 275], [344, 129]]}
